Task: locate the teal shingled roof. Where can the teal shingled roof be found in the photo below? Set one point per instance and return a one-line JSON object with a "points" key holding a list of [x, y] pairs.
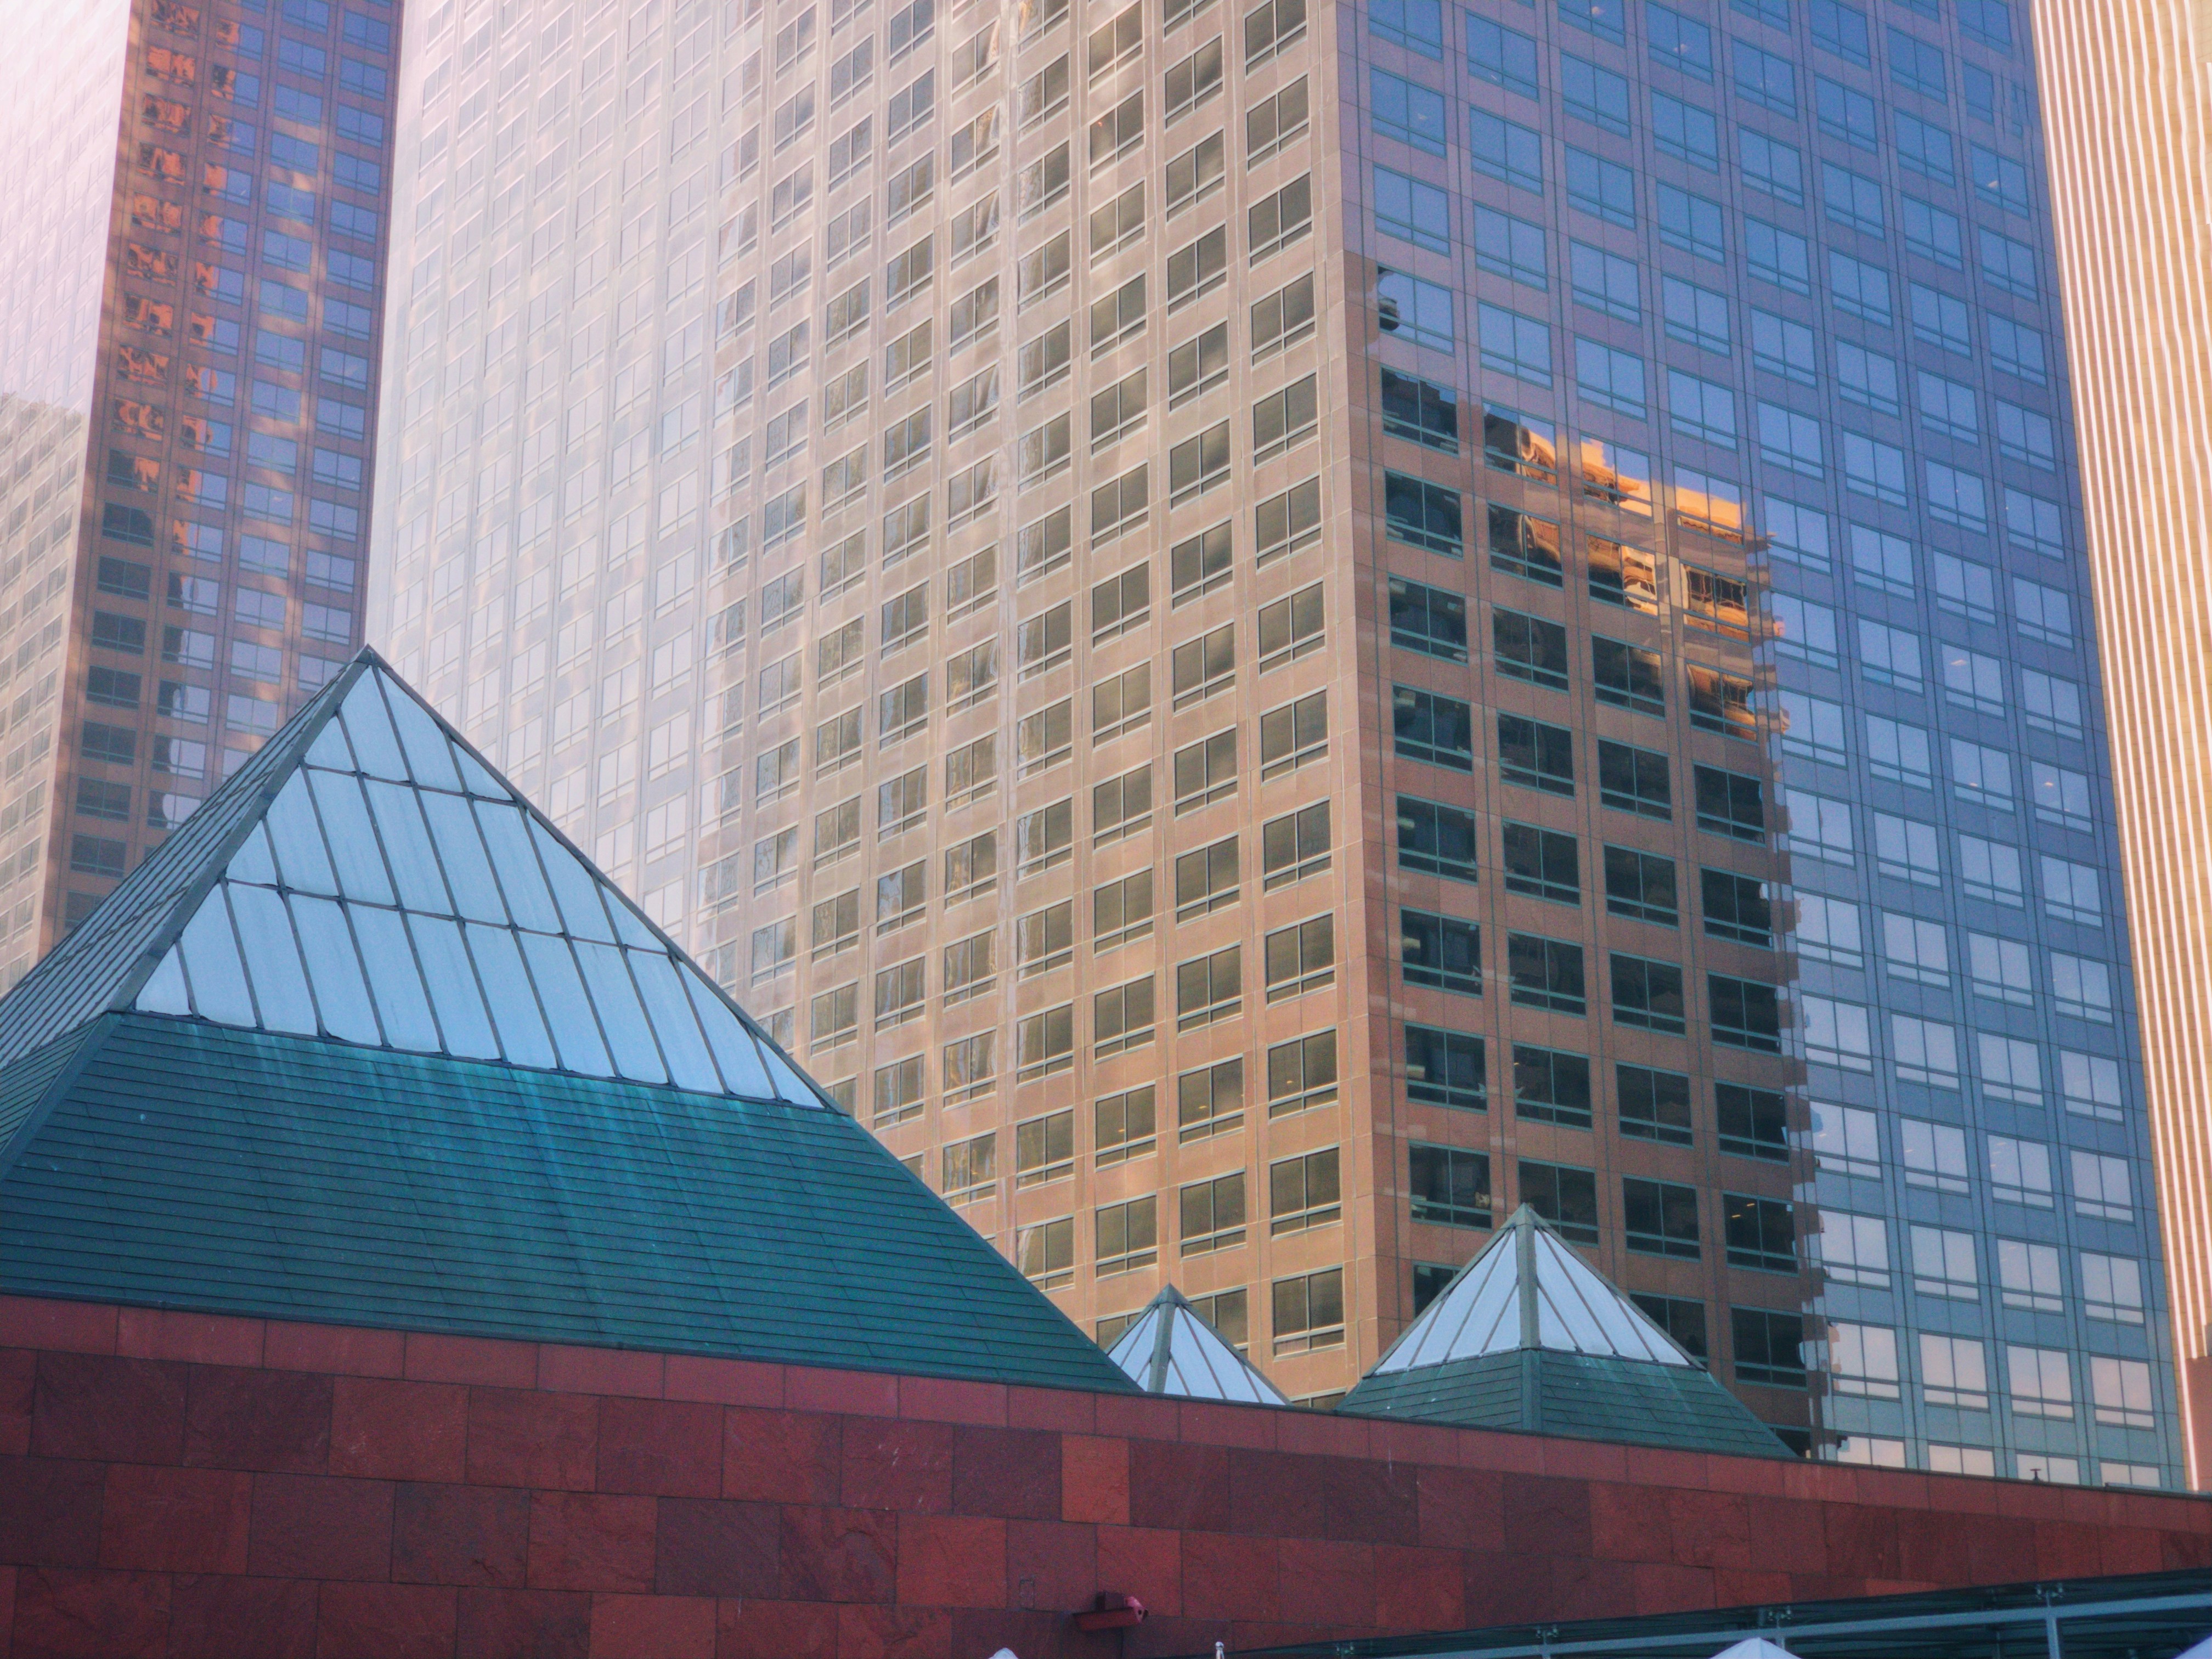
{"points": [[369, 1042], [1528, 1336]]}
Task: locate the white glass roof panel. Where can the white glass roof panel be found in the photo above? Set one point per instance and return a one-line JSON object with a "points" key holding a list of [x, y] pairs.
{"points": [[326, 945], [513, 1001], [573, 887], [375, 745], [334, 887], [213, 965], [506, 838], [477, 778], [165, 991], [681, 1045], [328, 749], [272, 960], [251, 862], [297, 837], [352, 840], [1481, 1311], [622, 1016], [429, 757], [407, 848], [393, 974], [1170, 1350], [568, 1010], [461, 851], [452, 982], [744, 1072]]}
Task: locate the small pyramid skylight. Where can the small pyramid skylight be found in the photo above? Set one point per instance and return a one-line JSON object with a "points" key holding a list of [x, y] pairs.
{"points": [[1528, 1289], [1171, 1350], [394, 892]]}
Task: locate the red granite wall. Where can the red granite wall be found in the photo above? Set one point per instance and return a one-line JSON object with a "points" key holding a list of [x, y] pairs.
{"points": [[181, 1486]]}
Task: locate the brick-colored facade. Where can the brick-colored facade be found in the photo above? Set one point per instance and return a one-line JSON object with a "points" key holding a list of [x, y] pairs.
{"points": [[179, 1484]]}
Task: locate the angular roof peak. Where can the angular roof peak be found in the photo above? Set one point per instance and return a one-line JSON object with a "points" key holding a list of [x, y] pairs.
{"points": [[1530, 1336], [1528, 1289], [368, 878], [366, 1041], [1171, 1349]]}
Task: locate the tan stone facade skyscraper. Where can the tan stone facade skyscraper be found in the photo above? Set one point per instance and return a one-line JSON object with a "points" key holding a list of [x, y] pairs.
{"points": [[191, 282], [2127, 88], [1266, 631]]}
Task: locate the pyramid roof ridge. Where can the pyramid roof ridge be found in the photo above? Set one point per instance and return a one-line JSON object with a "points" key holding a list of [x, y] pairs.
{"points": [[368, 876], [1172, 1349]]}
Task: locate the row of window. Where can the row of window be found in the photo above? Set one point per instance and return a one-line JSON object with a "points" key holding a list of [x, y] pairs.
{"points": [[1938, 1261], [1847, 1140], [1953, 1371]]}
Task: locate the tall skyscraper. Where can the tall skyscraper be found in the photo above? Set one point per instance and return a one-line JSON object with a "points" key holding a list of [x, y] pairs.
{"points": [[190, 288], [1268, 634], [2126, 88]]}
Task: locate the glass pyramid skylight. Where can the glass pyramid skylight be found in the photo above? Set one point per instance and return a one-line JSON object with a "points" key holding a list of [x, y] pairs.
{"points": [[1171, 1350], [392, 891], [1528, 1290]]}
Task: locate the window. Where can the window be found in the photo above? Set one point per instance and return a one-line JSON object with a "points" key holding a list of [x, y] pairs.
{"points": [[1417, 312], [1122, 1127], [2120, 1392], [1275, 221], [1300, 958], [1545, 973], [1209, 988], [1045, 1253], [1761, 1233], [1647, 993], [1529, 648], [1198, 464], [1626, 676], [1439, 840], [1746, 1013], [1448, 1185], [1297, 846], [1198, 365], [1445, 1068], [1768, 1346], [1288, 523], [1641, 885], [2039, 1381], [1041, 839], [1593, 95], [1685, 130], [2112, 1288], [1622, 575], [1210, 1100], [1505, 150], [1407, 111], [1613, 379], [1770, 165], [1603, 188], [1662, 1218], [1551, 1086], [1683, 1320], [1513, 247], [1737, 908], [1121, 911], [1441, 731], [1541, 864], [1211, 1214], [1302, 1073], [1565, 1196], [1852, 199], [1428, 516], [2101, 1186], [1443, 952], [1044, 1043], [1538, 755], [1698, 316], [1501, 56], [1309, 1309], [1206, 880], [1303, 1192], [1653, 1105], [1421, 411], [1121, 1017], [1205, 771], [1281, 320], [970, 968], [1691, 223], [1285, 418], [1763, 79], [1274, 122]]}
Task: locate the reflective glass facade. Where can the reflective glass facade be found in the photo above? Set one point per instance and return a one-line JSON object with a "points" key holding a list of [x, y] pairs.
{"points": [[1265, 634], [192, 315]]}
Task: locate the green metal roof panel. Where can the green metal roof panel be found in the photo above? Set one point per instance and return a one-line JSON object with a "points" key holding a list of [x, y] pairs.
{"points": [[27, 1082], [242, 1171], [1584, 1397]]}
